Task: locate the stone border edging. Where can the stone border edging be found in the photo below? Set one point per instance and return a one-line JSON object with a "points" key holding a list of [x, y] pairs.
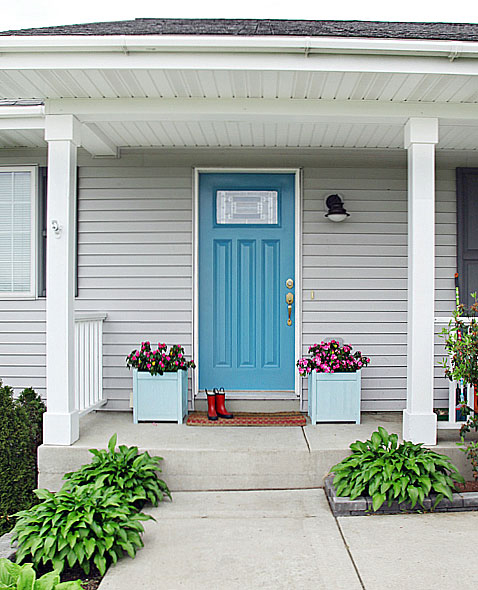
{"points": [[362, 506], [6, 548]]}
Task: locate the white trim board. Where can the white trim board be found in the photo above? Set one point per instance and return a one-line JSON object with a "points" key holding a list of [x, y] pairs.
{"points": [[298, 267]]}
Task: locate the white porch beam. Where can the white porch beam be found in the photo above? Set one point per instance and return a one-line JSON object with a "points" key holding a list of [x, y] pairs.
{"points": [[22, 124], [419, 420], [96, 142], [61, 421], [250, 109]]}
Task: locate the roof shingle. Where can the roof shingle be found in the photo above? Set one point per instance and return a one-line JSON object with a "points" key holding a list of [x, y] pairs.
{"points": [[265, 27]]}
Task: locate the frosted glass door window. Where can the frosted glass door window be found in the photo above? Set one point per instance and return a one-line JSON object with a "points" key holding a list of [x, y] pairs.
{"points": [[246, 207], [16, 232]]}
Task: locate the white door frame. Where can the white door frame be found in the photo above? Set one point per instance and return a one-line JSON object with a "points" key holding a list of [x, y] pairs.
{"points": [[298, 267]]}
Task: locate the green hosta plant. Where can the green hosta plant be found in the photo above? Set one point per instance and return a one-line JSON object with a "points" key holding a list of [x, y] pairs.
{"points": [[23, 577], [385, 470], [133, 474], [84, 524]]}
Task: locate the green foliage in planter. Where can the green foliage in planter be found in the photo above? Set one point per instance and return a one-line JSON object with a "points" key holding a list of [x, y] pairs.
{"points": [[385, 470], [23, 577], [20, 434], [131, 473], [77, 526]]}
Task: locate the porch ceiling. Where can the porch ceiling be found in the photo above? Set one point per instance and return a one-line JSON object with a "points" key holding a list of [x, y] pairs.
{"points": [[232, 83], [203, 133]]}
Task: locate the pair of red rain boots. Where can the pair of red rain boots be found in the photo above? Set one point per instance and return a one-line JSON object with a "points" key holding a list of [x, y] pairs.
{"points": [[216, 404]]}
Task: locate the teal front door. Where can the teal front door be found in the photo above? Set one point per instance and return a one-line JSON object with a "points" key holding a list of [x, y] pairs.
{"points": [[246, 270]]}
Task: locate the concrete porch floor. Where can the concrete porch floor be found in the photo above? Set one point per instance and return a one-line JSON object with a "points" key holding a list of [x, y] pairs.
{"points": [[238, 458]]}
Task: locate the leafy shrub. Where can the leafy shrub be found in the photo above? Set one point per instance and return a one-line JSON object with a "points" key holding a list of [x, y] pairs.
{"points": [[78, 525], [131, 473], [20, 434], [471, 453], [23, 577], [385, 470]]}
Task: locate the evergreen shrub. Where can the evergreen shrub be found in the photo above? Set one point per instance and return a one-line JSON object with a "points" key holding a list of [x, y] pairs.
{"points": [[20, 435]]}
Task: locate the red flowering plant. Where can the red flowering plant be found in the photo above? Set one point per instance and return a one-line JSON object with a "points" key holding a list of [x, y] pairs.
{"points": [[159, 361], [330, 357]]}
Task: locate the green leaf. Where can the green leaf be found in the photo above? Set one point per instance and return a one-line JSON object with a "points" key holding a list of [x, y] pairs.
{"points": [[384, 435], [26, 579], [100, 563], [8, 571], [413, 494], [377, 500], [444, 490], [112, 444], [48, 582], [69, 586], [376, 440]]}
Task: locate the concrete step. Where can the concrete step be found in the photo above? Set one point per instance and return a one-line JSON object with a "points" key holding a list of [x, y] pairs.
{"points": [[214, 459]]}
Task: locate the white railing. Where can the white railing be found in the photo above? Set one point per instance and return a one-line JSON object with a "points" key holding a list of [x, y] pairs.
{"points": [[458, 393], [89, 361]]}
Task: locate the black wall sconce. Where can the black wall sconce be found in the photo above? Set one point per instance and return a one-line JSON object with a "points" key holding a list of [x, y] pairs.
{"points": [[334, 206]]}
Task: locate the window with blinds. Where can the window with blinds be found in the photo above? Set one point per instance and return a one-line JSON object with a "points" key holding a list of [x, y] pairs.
{"points": [[17, 231]]}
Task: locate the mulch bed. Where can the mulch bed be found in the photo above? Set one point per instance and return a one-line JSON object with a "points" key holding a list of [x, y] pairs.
{"points": [[89, 582], [468, 486], [249, 419]]}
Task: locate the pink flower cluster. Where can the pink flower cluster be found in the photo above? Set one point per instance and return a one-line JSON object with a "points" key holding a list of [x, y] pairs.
{"points": [[159, 361], [330, 357]]}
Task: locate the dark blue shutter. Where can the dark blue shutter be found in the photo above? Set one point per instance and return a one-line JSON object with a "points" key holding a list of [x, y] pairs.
{"points": [[467, 232]]}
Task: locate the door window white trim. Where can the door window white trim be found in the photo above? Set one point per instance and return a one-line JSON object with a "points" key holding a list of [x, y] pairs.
{"points": [[32, 292]]}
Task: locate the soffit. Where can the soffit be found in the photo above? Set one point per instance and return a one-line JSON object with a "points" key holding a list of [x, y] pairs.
{"points": [[46, 84]]}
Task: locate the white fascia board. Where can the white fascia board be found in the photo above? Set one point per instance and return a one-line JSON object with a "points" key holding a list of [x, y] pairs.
{"points": [[239, 60], [21, 124], [251, 109], [21, 111], [222, 43]]}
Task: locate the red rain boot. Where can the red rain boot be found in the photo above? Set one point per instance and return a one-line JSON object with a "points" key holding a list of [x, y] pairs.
{"points": [[211, 405], [220, 407]]}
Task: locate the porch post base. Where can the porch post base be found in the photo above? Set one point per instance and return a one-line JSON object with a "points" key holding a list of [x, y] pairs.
{"points": [[61, 429], [420, 428]]}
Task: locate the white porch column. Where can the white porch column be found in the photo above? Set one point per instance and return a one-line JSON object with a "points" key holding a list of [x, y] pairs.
{"points": [[61, 421], [419, 420]]}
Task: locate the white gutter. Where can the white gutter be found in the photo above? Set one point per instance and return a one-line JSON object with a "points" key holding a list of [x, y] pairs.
{"points": [[237, 44]]}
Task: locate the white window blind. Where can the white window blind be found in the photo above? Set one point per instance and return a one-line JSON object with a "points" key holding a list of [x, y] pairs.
{"points": [[16, 232]]}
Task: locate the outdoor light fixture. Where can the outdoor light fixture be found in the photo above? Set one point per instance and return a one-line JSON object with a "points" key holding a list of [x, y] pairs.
{"points": [[335, 208]]}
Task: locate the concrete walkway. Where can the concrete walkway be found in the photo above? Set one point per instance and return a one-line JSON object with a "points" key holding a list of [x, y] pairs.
{"points": [[289, 540]]}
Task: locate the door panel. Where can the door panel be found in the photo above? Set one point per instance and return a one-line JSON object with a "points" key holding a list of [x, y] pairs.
{"points": [[246, 254]]}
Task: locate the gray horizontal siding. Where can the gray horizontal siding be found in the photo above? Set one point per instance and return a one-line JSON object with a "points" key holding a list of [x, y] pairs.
{"points": [[135, 261], [357, 271], [135, 251]]}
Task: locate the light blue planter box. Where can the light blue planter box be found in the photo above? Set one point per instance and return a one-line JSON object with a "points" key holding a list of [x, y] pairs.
{"points": [[334, 397], [160, 398]]}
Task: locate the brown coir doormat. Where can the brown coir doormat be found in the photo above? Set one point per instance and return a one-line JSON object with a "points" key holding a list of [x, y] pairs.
{"points": [[249, 419]]}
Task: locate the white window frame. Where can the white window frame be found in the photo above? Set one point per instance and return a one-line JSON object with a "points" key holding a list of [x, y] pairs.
{"points": [[32, 294]]}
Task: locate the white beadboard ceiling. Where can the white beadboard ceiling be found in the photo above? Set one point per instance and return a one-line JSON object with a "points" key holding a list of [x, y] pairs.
{"points": [[229, 84], [253, 134], [157, 83]]}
